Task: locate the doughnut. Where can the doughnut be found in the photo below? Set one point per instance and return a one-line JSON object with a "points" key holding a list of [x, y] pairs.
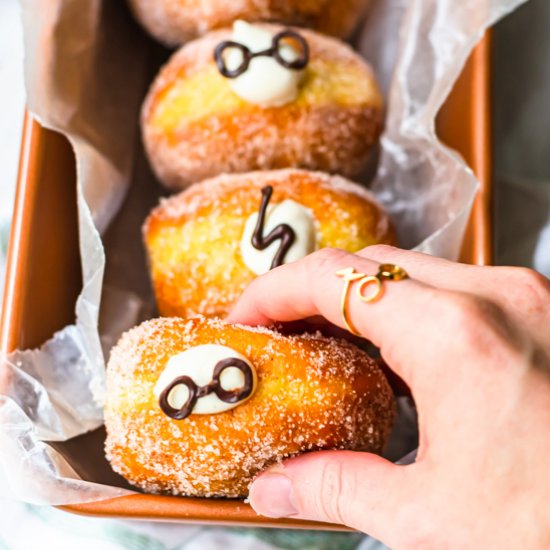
{"points": [[174, 22], [205, 245], [198, 407], [260, 98]]}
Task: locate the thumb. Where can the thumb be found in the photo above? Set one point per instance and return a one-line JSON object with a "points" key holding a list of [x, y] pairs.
{"points": [[360, 490]]}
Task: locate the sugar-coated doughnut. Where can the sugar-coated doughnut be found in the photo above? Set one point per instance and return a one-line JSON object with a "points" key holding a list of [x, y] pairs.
{"points": [[303, 393], [173, 22], [199, 242], [198, 123]]}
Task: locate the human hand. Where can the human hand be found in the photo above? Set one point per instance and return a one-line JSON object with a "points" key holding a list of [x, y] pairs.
{"points": [[473, 344]]}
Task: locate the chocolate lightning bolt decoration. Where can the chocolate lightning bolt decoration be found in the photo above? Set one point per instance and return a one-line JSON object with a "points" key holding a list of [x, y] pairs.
{"points": [[282, 232]]}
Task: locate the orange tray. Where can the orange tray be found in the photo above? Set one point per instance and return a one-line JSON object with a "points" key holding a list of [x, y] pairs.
{"points": [[43, 276]]}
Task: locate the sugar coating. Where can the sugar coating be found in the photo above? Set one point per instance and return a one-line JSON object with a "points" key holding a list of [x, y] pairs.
{"points": [[193, 239], [176, 21], [333, 135], [213, 192], [313, 393]]}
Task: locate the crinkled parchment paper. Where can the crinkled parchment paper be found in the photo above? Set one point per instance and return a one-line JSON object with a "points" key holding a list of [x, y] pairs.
{"points": [[87, 68]]}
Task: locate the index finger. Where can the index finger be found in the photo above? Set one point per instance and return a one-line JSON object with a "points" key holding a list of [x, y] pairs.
{"points": [[400, 323]]}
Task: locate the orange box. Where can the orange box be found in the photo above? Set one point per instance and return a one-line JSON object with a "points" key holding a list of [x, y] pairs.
{"points": [[43, 276]]}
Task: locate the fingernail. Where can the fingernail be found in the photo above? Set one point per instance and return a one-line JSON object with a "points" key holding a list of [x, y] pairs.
{"points": [[271, 495]]}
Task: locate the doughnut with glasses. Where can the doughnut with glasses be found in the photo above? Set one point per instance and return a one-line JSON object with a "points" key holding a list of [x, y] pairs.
{"points": [[208, 243], [174, 22], [198, 407], [261, 97]]}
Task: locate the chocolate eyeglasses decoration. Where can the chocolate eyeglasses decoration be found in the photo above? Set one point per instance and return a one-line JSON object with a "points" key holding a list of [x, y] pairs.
{"points": [[282, 232], [275, 51], [196, 392]]}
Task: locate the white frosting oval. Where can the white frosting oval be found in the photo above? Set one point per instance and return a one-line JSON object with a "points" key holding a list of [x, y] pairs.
{"points": [[289, 212], [198, 363], [265, 82]]}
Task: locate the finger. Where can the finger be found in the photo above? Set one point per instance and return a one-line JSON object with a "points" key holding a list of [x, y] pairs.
{"points": [[308, 288], [420, 266], [430, 337], [311, 287], [521, 292], [360, 490]]}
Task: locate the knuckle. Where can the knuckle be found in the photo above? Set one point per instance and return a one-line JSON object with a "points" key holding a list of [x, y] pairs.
{"points": [[532, 278], [382, 250], [326, 259], [331, 498], [531, 288]]}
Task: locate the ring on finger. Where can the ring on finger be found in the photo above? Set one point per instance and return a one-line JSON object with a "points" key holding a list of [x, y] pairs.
{"points": [[386, 272]]}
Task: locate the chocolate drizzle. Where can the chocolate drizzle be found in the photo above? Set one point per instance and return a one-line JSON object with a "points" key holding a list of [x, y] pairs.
{"points": [[282, 232], [275, 51], [196, 392]]}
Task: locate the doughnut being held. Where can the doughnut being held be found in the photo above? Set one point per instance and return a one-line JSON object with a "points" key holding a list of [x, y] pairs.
{"points": [[205, 246], [174, 22], [309, 393], [197, 123]]}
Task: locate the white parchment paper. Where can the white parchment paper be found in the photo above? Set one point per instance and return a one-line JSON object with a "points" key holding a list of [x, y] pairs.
{"points": [[87, 67]]}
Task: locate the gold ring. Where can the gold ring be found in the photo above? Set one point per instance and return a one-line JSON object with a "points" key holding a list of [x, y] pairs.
{"points": [[386, 272]]}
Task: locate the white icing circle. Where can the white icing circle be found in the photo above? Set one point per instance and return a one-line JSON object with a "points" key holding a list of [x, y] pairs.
{"points": [[198, 363], [231, 379], [178, 396], [265, 82], [289, 212]]}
